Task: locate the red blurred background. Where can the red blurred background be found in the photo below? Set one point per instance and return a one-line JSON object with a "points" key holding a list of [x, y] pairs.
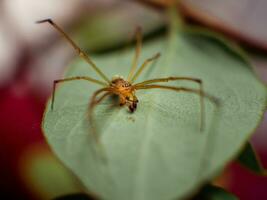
{"points": [[32, 56]]}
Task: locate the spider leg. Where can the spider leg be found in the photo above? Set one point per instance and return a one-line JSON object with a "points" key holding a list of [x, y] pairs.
{"points": [[80, 52], [102, 97], [171, 78], [93, 103], [138, 35], [212, 99], [197, 80], [73, 79], [146, 62]]}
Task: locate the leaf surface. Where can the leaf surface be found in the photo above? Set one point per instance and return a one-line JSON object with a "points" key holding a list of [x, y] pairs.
{"points": [[158, 152]]}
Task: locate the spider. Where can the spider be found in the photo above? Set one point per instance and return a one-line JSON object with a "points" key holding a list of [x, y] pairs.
{"points": [[126, 89]]}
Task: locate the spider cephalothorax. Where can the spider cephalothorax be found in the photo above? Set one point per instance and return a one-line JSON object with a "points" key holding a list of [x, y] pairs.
{"points": [[125, 91]]}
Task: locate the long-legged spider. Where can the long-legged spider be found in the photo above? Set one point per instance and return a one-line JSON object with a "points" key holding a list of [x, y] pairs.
{"points": [[126, 89]]}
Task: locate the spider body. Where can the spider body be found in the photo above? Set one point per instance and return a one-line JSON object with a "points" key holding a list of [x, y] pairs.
{"points": [[125, 89], [126, 93]]}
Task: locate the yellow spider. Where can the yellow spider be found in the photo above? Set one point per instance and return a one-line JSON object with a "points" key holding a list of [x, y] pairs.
{"points": [[126, 89]]}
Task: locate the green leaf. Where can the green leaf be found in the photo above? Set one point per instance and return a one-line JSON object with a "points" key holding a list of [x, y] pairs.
{"points": [[211, 192], [250, 160], [93, 35], [231, 46], [158, 152]]}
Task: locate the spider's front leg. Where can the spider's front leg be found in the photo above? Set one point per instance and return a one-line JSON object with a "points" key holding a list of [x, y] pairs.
{"points": [[130, 101], [122, 100], [125, 101], [132, 106]]}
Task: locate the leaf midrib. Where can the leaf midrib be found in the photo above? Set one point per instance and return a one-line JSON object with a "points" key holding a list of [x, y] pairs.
{"points": [[139, 183]]}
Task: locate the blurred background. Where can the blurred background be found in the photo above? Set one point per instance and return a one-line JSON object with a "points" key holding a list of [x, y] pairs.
{"points": [[32, 56]]}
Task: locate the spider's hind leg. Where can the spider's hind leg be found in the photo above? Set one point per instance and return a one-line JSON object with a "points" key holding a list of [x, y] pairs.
{"points": [[138, 47], [196, 80], [199, 92]]}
